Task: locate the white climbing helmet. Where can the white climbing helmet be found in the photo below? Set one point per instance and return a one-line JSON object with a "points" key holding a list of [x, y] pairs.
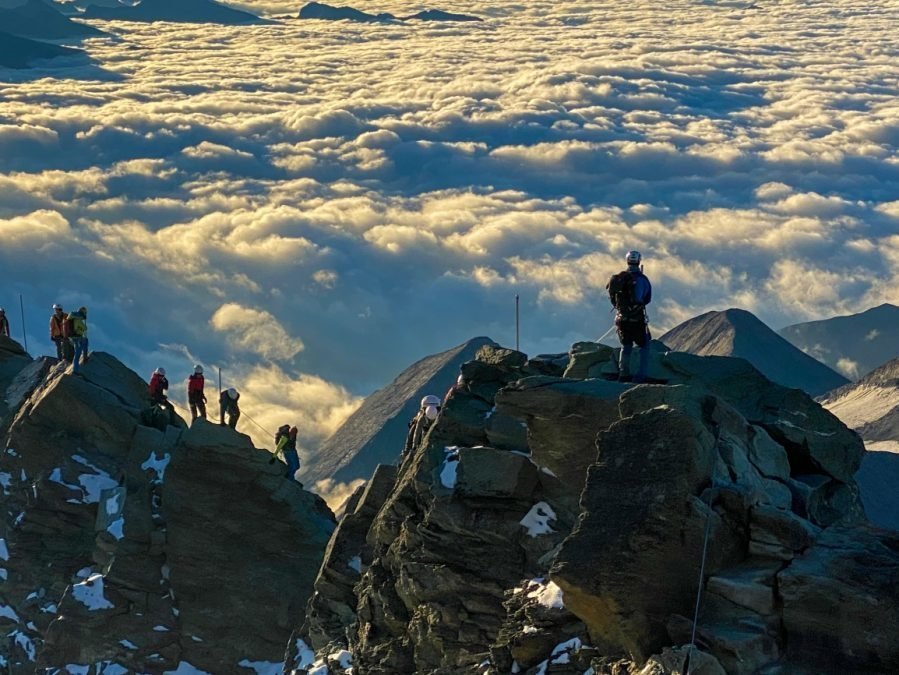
{"points": [[431, 412], [56, 306], [160, 371], [198, 369], [232, 394], [634, 258], [430, 400]]}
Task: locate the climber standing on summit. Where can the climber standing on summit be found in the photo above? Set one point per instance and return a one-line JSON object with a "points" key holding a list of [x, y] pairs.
{"points": [[58, 334], [196, 397], [76, 326], [629, 293], [4, 323], [228, 404], [422, 422]]}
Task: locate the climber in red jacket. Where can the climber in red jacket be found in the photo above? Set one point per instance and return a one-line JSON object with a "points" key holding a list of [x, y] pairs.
{"points": [[195, 394], [158, 386]]}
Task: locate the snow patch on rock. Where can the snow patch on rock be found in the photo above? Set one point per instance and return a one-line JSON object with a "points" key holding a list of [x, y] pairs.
{"points": [[90, 593], [547, 594], [537, 520]]}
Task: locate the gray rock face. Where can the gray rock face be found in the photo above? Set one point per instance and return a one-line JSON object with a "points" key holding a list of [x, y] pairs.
{"points": [[332, 610], [640, 516], [562, 418], [375, 433], [736, 332], [841, 600], [476, 559], [143, 548]]}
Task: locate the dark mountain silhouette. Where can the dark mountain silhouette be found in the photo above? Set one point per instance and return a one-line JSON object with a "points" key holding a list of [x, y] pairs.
{"points": [[40, 20], [21, 52], [736, 332], [439, 15], [184, 11], [317, 10], [853, 345]]}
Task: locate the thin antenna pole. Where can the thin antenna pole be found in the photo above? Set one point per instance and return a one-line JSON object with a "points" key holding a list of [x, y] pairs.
{"points": [[220, 380], [517, 323], [24, 333]]}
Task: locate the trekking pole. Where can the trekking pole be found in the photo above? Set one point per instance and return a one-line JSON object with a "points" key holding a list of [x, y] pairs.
{"points": [[24, 333], [517, 323]]}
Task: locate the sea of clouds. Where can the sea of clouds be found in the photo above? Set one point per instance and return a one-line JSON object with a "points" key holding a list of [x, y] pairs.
{"points": [[314, 205]]}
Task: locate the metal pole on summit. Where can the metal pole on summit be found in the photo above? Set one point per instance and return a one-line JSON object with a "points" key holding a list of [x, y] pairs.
{"points": [[220, 380], [24, 333], [517, 323]]}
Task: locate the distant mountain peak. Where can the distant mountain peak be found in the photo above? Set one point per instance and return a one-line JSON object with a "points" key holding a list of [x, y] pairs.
{"points": [[325, 12], [184, 11], [738, 332], [853, 344]]}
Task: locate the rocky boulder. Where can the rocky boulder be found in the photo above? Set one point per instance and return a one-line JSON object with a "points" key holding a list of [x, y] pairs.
{"points": [[562, 418], [477, 559], [841, 602]]}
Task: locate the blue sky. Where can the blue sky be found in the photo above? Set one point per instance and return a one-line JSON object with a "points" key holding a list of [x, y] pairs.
{"points": [[315, 205]]}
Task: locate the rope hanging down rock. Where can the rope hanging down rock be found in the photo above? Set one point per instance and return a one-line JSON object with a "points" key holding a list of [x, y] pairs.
{"points": [[705, 548]]}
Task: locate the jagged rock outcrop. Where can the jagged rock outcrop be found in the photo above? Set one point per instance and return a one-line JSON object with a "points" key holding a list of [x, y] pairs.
{"points": [[375, 433], [126, 546], [475, 561]]}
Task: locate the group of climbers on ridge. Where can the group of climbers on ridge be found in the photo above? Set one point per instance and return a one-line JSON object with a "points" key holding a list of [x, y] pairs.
{"points": [[196, 396], [69, 333], [629, 292]]}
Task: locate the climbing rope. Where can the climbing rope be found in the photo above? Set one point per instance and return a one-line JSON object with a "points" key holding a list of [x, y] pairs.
{"points": [[606, 334], [705, 548], [242, 414]]}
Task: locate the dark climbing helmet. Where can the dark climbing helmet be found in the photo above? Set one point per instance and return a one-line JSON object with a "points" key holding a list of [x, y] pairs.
{"points": [[634, 258]]}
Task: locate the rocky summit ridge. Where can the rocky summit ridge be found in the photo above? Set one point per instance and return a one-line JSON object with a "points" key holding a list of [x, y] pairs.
{"points": [[130, 543], [553, 521]]}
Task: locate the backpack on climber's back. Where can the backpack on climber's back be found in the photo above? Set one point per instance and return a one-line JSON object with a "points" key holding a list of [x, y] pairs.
{"points": [[68, 326], [622, 289], [283, 430]]}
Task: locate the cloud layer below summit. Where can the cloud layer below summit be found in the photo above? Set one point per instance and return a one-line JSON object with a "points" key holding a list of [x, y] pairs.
{"points": [[314, 205]]}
